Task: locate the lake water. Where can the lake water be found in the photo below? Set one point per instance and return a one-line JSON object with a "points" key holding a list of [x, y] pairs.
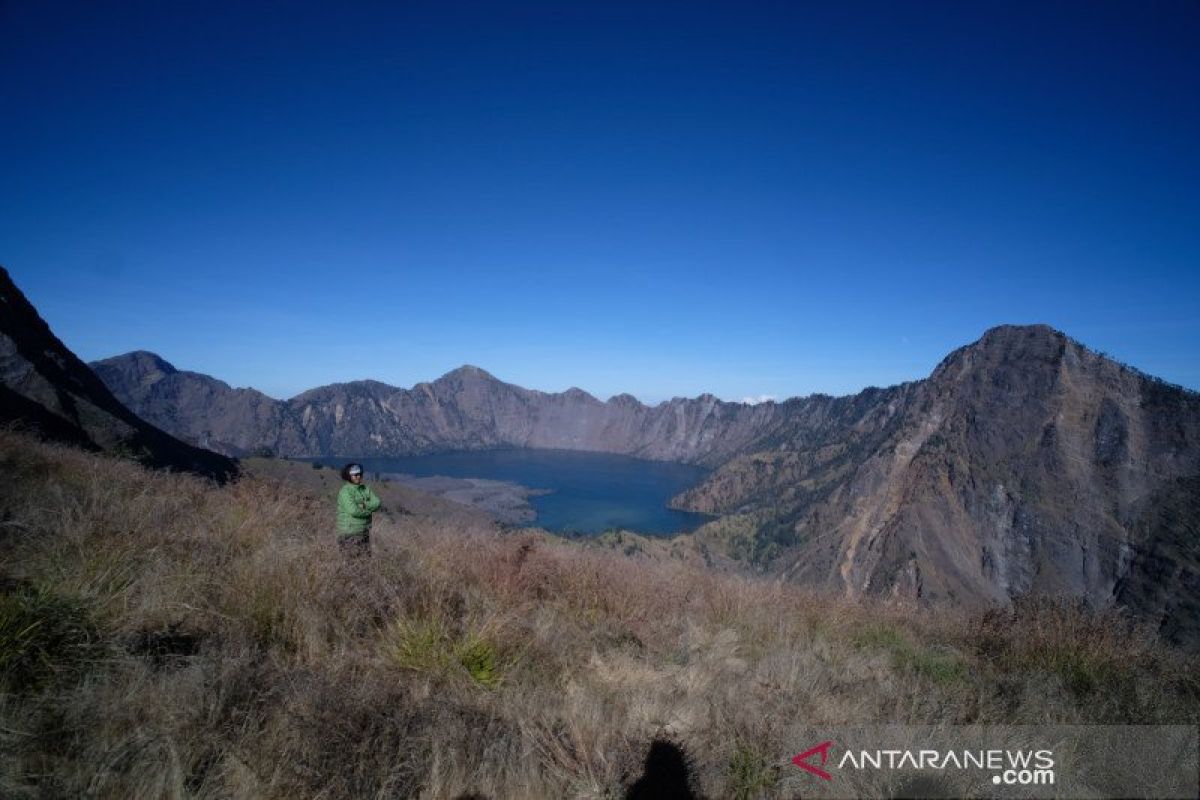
{"points": [[590, 492]]}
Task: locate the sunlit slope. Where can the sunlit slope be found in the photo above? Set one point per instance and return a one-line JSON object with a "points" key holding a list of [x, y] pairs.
{"points": [[161, 635]]}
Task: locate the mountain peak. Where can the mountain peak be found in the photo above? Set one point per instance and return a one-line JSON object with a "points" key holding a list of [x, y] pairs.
{"points": [[576, 393], [624, 399], [142, 362], [1006, 334], [469, 371], [1008, 343]]}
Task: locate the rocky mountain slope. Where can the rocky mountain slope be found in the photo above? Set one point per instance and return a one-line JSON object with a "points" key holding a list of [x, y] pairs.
{"points": [[45, 387], [195, 407], [1025, 464]]}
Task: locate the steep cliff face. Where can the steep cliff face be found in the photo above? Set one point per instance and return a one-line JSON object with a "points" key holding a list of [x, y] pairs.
{"points": [[813, 444], [1024, 464], [44, 386]]}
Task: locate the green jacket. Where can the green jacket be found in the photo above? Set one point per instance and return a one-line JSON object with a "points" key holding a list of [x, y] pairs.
{"points": [[355, 505]]}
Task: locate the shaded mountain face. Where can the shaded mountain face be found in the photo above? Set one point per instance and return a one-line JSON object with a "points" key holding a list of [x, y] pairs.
{"points": [[44, 386], [1024, 464], [198, 409]]}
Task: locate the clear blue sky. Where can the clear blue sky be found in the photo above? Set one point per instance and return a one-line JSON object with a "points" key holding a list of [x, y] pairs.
{"points": [[660, 198]]}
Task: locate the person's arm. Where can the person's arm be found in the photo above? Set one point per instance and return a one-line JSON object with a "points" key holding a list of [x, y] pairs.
{"points": [[373, 502], [349, 505]]}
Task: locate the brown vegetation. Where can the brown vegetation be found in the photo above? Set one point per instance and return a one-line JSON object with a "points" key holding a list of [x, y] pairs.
{"points": [[164, 637]]}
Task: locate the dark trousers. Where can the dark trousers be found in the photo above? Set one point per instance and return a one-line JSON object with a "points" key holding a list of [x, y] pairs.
{"points": [[355, 546]]}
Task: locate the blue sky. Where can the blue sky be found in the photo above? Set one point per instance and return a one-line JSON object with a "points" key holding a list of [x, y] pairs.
{"points": [[660, 198]]}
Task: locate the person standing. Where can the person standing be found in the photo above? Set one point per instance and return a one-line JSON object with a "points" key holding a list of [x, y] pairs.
{"points": [[355, 505]]}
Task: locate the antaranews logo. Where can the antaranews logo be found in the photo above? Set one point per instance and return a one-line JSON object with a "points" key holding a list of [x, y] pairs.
{"points": [[1010, 767], [801, 760]]}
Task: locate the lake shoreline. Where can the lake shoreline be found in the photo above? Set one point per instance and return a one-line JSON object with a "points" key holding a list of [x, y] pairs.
{"points": [[506, 501]]}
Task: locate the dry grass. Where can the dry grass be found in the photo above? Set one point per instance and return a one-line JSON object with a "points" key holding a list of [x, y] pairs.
{"points": [[162, 637]]}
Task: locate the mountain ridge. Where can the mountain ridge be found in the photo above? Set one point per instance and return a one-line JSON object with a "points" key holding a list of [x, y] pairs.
{"points": [[184, 401], [1025, 463], [474, 371], [45, 386], [388, 419]]}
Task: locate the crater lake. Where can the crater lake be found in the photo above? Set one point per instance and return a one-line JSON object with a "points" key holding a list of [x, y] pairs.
{"points": [[587, 493]]}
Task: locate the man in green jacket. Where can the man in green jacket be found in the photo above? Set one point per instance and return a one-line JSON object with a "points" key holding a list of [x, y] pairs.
{"points": [[355, 505]]}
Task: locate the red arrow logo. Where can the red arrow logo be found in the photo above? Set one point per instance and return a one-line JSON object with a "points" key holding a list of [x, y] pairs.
{"points": [[801, 760]]}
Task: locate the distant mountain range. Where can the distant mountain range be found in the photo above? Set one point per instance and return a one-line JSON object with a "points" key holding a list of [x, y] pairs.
{"points": [[44, 387], [466, 409], [1024, 464]]}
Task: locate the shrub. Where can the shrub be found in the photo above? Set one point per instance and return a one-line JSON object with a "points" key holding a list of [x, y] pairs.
{"points": [[428, 645], [480, 660], [938, 664], [418, 644], [43, 636], [1085, 649], [750, 773]]}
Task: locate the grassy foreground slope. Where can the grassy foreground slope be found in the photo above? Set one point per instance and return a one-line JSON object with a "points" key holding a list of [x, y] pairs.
{"points": [[164, 637]]}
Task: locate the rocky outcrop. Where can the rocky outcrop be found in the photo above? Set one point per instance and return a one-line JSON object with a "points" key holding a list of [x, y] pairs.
{"points": [[46, 388]]}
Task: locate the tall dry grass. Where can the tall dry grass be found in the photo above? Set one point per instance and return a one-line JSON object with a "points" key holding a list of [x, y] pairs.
{"points": [[162, 637]]}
